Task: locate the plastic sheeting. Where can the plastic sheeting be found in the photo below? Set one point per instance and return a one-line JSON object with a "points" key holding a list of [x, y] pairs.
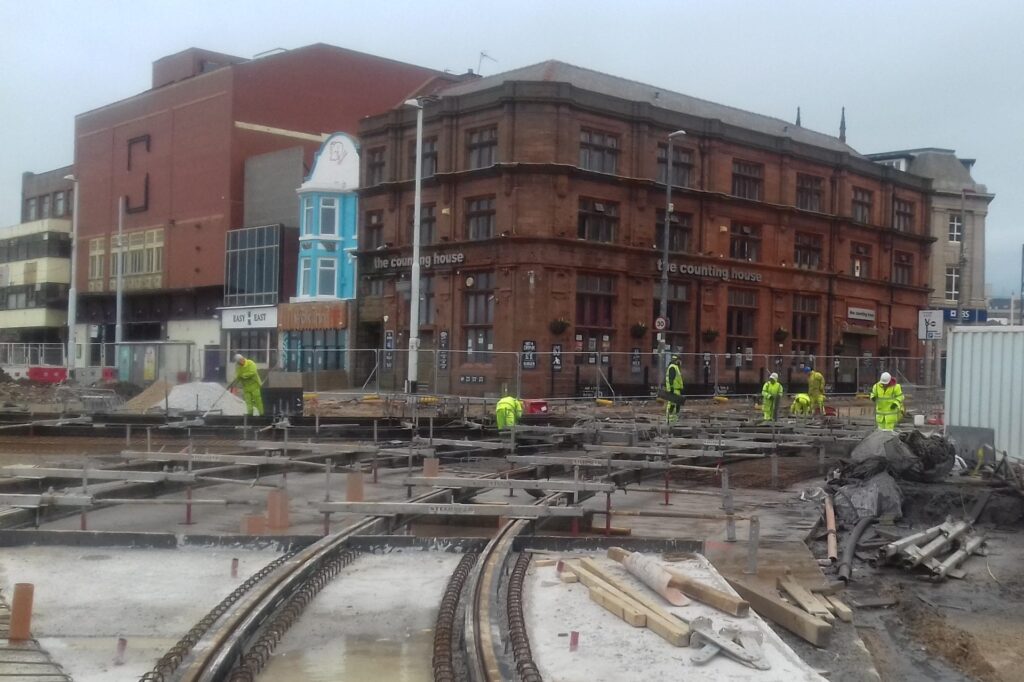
{"points": [[877, 496]]}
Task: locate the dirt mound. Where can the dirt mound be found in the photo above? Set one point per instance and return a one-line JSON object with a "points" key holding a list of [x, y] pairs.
{"points": [[149, 397], [941, 638]]}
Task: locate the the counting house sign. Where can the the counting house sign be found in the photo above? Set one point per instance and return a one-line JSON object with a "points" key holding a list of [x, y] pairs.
{"points": [[710, 271], [430, 260]]}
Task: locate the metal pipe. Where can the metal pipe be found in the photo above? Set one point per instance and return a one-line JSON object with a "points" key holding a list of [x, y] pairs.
{"points": [[959, 556], [846, 564], [894, 548]]}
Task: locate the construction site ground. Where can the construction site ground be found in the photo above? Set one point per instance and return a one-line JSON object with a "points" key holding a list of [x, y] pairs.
{"points": [[903, 628]]}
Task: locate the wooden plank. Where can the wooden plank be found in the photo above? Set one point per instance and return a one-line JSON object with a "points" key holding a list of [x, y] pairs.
{"points": [[659, 621], [723, 601], [830, 612], [568, 577], [803, 597], [622, 608], [797, 621], [843, 612]]}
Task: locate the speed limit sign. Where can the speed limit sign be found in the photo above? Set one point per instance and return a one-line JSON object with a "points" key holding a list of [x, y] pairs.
{"points": [[660, 324]]}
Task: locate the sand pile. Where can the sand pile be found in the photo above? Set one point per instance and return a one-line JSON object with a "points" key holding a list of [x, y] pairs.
{"points": [[199, 396]]}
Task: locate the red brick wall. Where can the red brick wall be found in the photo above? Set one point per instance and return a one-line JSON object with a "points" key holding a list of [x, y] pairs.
{"points": [[537, 265], [197, 155]]}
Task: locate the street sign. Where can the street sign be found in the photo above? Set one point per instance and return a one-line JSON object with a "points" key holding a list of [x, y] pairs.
{"points": [[660, 324], [556, 357], [529, 355], [929, 325]]}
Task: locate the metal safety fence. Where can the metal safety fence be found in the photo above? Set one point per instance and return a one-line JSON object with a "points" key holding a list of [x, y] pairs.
{"points": [[32, 354], [562, 374]]}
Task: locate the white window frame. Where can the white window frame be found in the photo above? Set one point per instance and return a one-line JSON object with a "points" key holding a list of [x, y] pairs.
{"points": [[305, 276], [952, 292], [332, 204], [321, 262], [307, 216], [955, 227]]}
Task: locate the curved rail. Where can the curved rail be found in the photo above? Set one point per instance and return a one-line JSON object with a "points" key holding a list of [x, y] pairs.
{"points": [[269, 603], [482, 656]]}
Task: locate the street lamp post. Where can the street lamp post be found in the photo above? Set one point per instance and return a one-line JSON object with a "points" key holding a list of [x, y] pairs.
{"points": [[414, 285], [120, 260], [962, 263], [69, 361], [663, 309]]}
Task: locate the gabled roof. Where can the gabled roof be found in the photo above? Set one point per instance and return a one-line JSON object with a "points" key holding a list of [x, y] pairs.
{"points": [[614, 86]]}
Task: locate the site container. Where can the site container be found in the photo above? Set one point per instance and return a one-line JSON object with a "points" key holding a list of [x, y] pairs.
{"points": [[985, 383]]}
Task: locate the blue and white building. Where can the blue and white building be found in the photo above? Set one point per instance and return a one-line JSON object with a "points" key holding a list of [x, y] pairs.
{"points": [[315, 323]]}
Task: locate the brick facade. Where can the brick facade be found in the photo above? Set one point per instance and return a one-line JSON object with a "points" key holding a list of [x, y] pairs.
{"points": [[538, 256], [178, 154]]}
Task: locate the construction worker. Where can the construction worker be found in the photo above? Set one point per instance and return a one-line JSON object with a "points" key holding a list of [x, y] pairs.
{"points": [[816, 391], [771, 393], [248, 377], [801, 405], [887, 395], [673, 385], [508, 412]]}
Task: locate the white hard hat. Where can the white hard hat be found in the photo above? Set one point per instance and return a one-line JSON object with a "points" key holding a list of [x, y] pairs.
{"points": [[774, 375], [885, 378], [239, 357]]}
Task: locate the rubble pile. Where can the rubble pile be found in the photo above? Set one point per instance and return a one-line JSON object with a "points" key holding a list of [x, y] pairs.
{"points": [[866, 489]]}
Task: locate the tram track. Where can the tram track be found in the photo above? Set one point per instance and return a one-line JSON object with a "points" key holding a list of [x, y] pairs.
{"points": [[237, 637]]}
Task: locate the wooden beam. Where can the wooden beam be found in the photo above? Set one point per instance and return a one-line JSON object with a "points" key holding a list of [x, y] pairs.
{"points": [[505, 483], [843, 612], [659, 621], [797, 621], [280, 132], [442, 509], [622, 608], [803, 597], [723, 601]]}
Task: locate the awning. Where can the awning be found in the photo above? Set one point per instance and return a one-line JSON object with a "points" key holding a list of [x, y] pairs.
{"points": [[861, 331]]}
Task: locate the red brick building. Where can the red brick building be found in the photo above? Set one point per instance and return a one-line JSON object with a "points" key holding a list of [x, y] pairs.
{"points": [[177, 153], [544, 200]]}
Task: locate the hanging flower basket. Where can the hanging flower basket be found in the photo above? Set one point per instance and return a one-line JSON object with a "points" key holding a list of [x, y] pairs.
{"points": [[709, 335], [638, 330], [781, 334], [558, 325]]}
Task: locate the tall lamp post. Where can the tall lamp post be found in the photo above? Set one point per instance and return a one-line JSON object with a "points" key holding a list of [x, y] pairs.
{"points": [[414, 285], [72, 290], [119, 313], [663, 309], [962, 263]]}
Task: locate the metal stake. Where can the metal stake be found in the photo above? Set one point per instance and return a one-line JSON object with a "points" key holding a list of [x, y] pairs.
{"points": [[752, 540]]}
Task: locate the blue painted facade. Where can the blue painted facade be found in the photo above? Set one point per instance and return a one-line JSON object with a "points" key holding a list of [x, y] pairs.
{"points": [[327, 242], [328, 234], [328, 223]]}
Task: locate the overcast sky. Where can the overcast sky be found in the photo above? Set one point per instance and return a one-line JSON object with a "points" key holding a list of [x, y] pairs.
{"points": [[910, 73]]}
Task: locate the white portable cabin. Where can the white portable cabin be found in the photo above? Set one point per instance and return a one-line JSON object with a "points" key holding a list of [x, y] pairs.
{"points": [[985, 383]]}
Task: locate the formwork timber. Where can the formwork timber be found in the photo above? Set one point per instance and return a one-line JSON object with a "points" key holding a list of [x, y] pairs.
{"points": [[447, 509], [504, 483], [604, 463]]}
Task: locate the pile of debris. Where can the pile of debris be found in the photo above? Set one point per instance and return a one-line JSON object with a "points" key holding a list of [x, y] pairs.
{"points": [[866, 490], [866, 486]]}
